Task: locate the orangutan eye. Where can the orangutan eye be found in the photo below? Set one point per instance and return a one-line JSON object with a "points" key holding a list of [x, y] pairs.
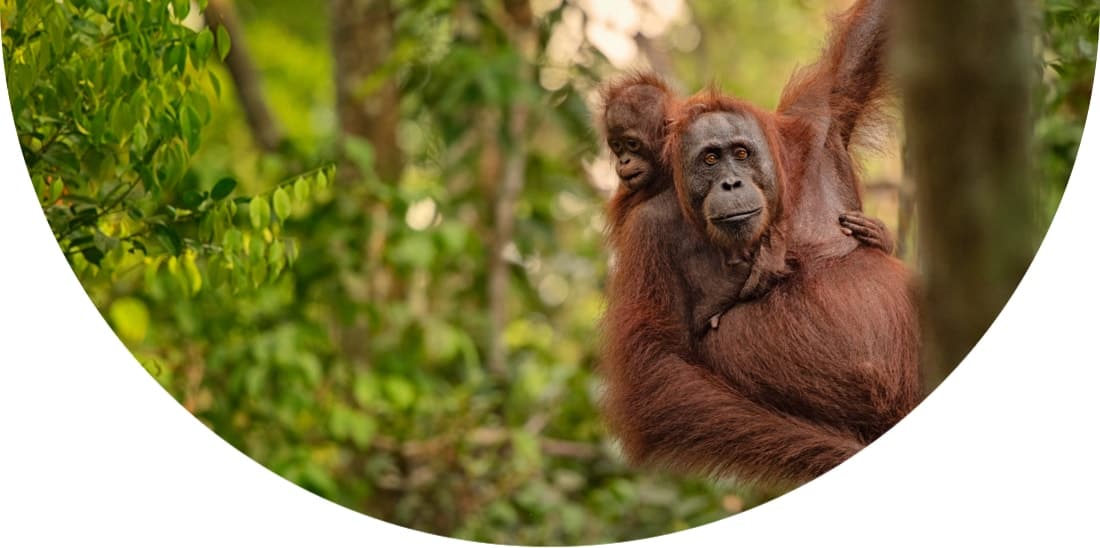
{"points": [[616, 146], [710, 159], [633, 145], [741, 153]]}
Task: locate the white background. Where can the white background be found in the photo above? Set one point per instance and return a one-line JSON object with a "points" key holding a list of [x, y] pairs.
{"points": [[94, 452]]}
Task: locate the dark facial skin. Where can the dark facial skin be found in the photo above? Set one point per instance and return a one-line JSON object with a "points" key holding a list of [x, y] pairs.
{"points": [[731, 177], [633, 123], [634, 159]]}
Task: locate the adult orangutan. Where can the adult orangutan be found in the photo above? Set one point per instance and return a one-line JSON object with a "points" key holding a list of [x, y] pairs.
{"points": [[635, 118], [800, 377]]}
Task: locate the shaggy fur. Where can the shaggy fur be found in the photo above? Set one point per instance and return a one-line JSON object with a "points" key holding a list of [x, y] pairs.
{"points": [[797, 380], [651, 100]]}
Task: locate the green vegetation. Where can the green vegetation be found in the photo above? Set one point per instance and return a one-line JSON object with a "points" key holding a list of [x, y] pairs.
{"points": [[1069, 63], [333, 308]]}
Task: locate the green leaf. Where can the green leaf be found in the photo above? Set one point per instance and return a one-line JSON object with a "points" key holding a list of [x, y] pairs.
{"points": [[121, 122], [56, 188], [223, 188], [301, 190], [233, 241], [176, 58], [191, 126], [259, 212], [171, 163], [169, 238], [181, 8], [130, 318], [191, 272], [140, 138], [257, 252], [223, 43], [276, 252], [93, 255], [216, 84], [291, 251], [281, 199], [276, 258], [40, 188], [191, 199], [204, 42], [399, 391]]}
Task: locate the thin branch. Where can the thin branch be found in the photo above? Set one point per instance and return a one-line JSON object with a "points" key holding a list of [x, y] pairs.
{"points": [[504, 209], [265, 128]]}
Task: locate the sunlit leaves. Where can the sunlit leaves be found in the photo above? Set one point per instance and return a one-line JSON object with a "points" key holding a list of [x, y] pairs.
{"points": [[180, 8], [130, 318], [191, 126], [56, 188], [110, 118], [301, 189], [338, 335], [281, 202], [176, 58], [223, 43], [259, 212], [204, 42], [191, 273]]}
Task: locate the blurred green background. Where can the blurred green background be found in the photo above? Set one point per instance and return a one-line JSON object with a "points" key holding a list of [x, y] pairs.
{"points": [[363, 240]]}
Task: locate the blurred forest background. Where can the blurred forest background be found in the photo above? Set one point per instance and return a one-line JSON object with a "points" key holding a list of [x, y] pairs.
{"points": [[362, 240]]}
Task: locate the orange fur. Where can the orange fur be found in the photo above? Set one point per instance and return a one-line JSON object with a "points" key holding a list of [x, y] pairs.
{"points": [[655, 130], [795, 381]]}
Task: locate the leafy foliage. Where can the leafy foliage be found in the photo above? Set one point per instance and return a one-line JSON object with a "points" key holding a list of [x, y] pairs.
{"points": [[1069, 60], [334, 326], [110, 100]]}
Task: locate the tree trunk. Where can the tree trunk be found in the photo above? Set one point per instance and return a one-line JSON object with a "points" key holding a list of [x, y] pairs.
{"points": [[504, 220], [965, 71], [367, 107], [367, 100], [519, 27]]}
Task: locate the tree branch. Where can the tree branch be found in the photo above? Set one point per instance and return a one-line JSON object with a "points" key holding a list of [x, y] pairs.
{"points": [[266, 130], [504, 217]]}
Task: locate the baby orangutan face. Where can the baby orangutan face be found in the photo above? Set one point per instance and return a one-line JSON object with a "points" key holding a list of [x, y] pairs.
{"points": [[635, 122]]}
